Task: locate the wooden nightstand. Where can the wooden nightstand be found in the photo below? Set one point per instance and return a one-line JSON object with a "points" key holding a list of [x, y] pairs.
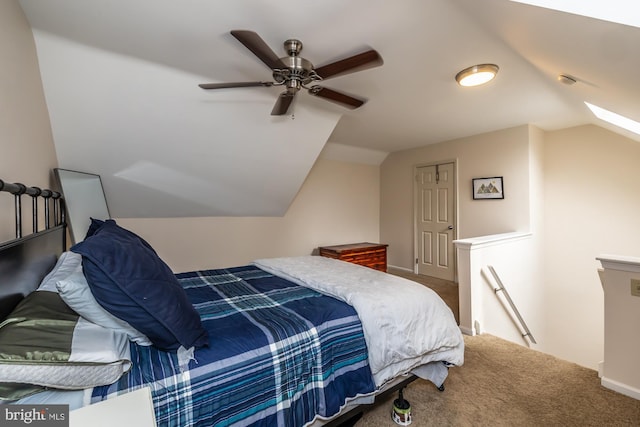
{"points": [[373, 255]]}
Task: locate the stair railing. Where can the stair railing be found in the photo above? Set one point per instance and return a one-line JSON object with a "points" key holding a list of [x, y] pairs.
{"points": [[505, 293]]}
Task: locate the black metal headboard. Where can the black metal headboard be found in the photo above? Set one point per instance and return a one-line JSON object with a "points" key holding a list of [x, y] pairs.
{"points": [[25, 260]]}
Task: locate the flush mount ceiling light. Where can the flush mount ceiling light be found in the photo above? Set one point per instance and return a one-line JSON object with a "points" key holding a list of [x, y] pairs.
{"points": [[477, 75]]}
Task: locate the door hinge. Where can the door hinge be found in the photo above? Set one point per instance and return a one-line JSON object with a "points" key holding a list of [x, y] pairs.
{"points": [[416, 261]]}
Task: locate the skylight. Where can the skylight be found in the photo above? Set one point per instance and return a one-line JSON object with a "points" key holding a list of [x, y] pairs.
{"points": [[618, 11], [614, 118]]}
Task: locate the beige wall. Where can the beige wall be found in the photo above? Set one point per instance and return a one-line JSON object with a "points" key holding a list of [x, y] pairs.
{"points": [[504, 153], [591, 207], [338, 203], [28, 154]]}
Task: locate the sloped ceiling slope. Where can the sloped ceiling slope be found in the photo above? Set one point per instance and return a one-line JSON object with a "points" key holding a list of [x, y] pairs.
{"points": [[124, 103], [120, 80]]}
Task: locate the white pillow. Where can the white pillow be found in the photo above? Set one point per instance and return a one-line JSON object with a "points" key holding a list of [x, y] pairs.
{"points": [[65, 266], [46, 344], [75, 292]]}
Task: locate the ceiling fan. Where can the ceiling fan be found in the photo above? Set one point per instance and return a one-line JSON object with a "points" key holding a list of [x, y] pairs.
{"points": [[295, 72]]}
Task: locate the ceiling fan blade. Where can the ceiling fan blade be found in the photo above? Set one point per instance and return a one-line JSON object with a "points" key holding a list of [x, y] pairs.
{"points": [[282, 104], [337, 97], [359, 62], [235, 84], [255, 44]]}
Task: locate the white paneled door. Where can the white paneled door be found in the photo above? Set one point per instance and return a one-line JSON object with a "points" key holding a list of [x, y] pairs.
{"points": [[435, 220]]}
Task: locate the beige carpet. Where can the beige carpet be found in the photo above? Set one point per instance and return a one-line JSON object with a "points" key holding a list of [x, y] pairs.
{"points": [[506, 384]]}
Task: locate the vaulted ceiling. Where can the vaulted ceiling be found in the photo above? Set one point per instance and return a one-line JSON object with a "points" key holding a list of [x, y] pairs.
{"points": [[121, 84]]}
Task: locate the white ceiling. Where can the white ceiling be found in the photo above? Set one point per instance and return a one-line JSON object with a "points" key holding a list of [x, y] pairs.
{"points": [[120, 79]]}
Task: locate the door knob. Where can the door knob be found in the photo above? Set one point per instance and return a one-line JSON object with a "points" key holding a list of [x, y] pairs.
{"points": [[450, 227]]}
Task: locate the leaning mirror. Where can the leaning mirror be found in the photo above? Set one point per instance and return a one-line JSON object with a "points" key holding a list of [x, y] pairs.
{"points": [[84, 199]]}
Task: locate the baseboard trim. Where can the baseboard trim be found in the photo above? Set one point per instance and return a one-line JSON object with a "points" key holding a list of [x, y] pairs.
{"points": [[467, 331], [625, 389], [395, 267]]}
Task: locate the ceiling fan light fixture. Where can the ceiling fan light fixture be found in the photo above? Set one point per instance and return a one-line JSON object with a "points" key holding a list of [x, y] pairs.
{"points": [[477, 75]]}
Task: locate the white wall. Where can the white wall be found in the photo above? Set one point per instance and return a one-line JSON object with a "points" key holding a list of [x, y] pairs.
{"points": [[338, 203], [592, 202], [26, 143], [485, 310]]}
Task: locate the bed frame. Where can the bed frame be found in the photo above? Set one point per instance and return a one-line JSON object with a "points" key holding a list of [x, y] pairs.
{"points": [[349, 417], [26, 260]]}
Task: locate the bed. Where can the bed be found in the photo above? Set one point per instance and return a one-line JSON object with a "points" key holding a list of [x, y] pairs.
{"points": [[282, 341]]}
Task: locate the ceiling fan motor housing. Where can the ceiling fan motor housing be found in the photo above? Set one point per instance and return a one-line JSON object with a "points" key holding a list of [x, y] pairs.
{"points": [[299, 71], [292, 47]]}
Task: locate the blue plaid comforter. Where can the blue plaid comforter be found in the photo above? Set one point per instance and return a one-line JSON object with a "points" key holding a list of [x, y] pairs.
{"points": [[280, 354]]}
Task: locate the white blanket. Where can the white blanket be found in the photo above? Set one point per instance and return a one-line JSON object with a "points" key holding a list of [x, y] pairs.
{"points": [[406, 325]]}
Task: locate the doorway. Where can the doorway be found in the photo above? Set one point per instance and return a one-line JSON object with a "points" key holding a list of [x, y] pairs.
{"points": [[435, 220]]}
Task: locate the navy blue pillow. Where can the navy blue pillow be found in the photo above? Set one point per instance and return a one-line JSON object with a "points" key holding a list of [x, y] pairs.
{"points": [[130, 281], [93, 227]]}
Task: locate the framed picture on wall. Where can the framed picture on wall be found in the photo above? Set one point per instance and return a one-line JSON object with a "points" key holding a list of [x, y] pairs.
{"points": [[488, 188]]}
